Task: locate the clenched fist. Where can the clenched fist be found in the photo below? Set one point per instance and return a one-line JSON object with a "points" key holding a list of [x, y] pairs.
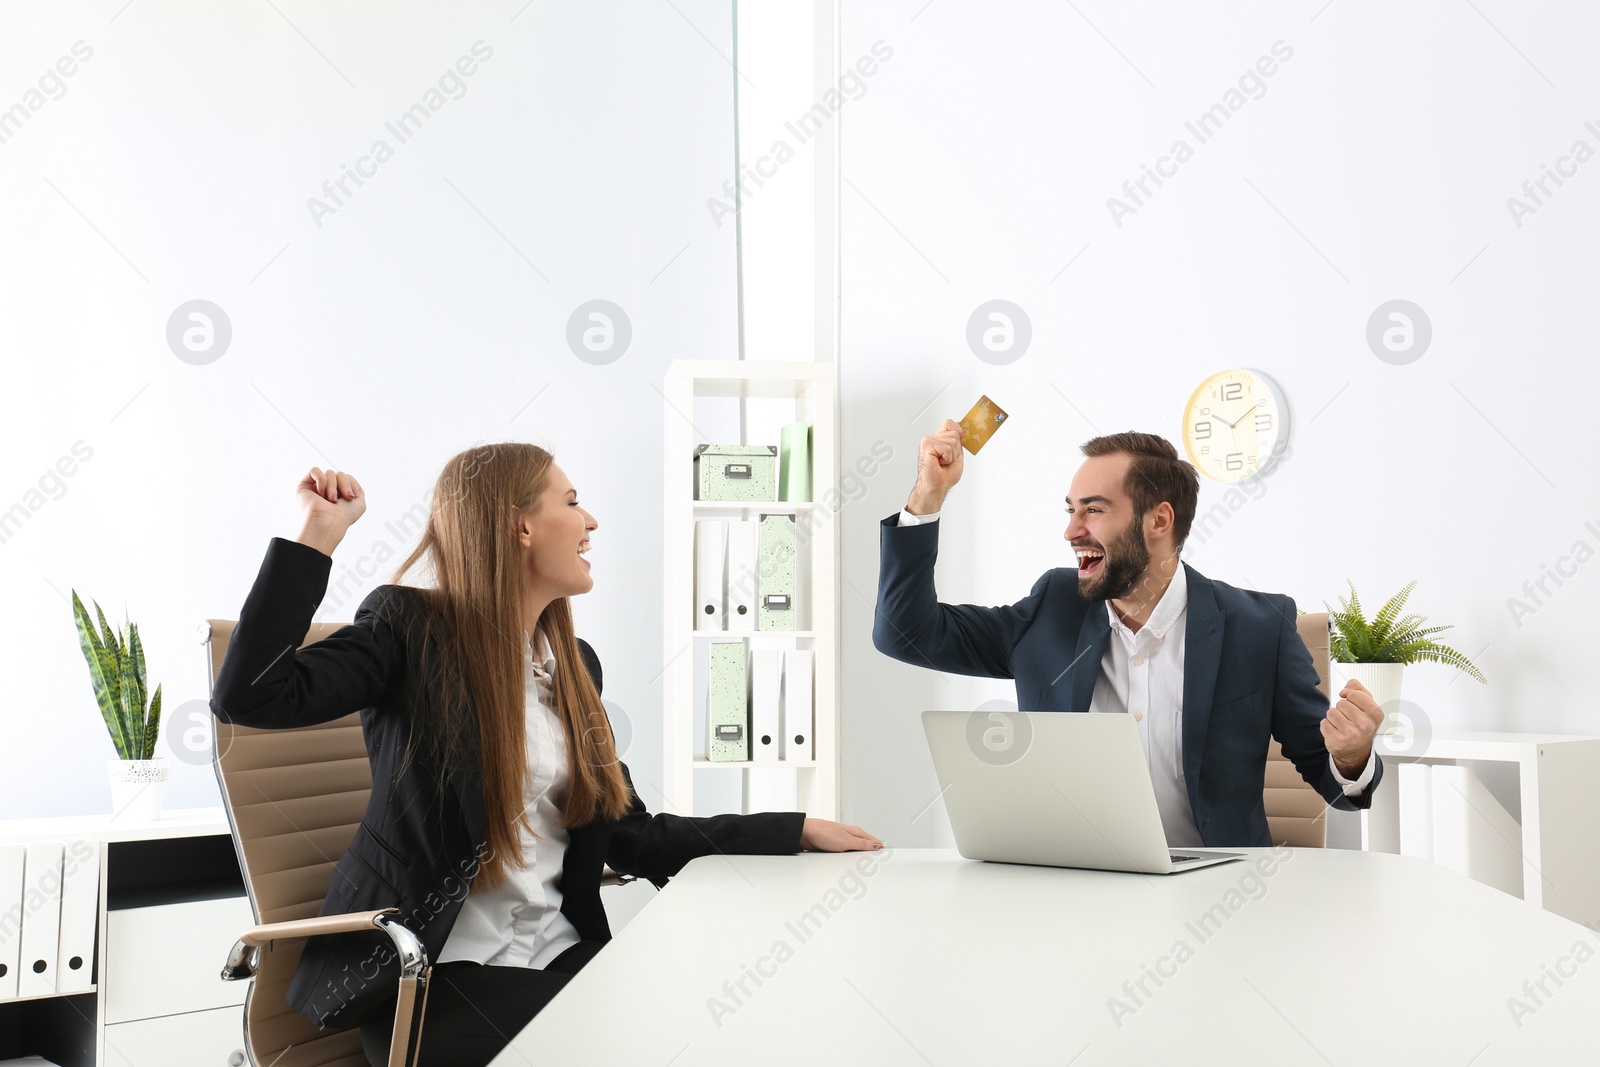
{"points": [[332, 501], [1350, 727], [939, 465]]}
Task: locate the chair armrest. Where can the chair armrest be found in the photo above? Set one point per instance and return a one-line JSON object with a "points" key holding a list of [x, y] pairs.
{"points": [[246, 951], [257, 936]]}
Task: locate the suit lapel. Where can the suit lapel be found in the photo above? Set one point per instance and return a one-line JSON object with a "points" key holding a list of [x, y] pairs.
{"points": [[1202, 654], [1085, 666]]}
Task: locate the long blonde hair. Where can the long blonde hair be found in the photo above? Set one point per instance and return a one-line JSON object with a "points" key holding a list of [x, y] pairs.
{"points": [[472, 548]]}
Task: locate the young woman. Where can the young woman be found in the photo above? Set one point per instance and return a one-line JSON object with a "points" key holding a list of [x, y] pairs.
{"points": [[497, 794]]}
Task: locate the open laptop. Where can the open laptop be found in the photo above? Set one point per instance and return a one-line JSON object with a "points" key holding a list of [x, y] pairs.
{"points": [[1055, 789]]}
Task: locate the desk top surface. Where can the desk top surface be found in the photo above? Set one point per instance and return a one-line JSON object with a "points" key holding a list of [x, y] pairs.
{"points": [[921, 957], [178, 822]]}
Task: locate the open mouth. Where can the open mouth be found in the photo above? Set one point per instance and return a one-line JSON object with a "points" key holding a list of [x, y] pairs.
{"points": [[1090, 560], [583, 550]]}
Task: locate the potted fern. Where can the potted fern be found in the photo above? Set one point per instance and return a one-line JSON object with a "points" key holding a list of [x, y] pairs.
{"points": [[1376, 652], [116, 667]]}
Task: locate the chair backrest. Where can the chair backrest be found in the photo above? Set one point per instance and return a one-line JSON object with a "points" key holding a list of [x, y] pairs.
{"points": [[1297, 814], [294, 799]]}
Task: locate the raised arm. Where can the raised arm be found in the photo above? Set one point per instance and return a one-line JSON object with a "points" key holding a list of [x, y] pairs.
{"points": [[910, 624], [266, 679]]}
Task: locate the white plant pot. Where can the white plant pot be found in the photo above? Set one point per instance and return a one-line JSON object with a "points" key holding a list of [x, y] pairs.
{"points": [[137, 788], [1382, 681]]}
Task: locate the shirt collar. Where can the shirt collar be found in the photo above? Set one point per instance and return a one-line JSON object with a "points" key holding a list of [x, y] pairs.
{"points": [[1167, 609], [543, 660]]}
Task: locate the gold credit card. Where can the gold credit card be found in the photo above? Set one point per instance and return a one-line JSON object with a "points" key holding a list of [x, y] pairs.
{"points": [[980, 424]]}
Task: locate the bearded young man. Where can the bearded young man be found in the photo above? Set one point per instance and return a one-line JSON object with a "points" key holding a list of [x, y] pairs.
{"points": [[1210, 671]]}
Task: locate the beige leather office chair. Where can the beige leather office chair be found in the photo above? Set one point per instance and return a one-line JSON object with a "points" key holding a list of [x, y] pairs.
{"points": [[294, 799], [1296, 813]]}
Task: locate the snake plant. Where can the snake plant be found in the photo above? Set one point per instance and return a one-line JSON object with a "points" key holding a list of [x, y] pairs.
{"points": [[1389, 637], [116, 667]]}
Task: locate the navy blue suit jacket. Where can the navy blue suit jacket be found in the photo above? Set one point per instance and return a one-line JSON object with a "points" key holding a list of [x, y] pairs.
{"points": [[1247, 676]]}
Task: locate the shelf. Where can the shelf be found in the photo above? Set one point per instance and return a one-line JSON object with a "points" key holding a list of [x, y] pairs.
{"points": [[766, 396], [52, 995], [760, 764], [770, 507], [729, 635]]}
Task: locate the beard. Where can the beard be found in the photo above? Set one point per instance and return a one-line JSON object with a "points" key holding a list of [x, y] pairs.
{"points": [[1126, 559]]}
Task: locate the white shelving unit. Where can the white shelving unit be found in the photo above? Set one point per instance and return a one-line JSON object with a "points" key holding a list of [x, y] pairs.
{"points": [[171, 902], [1559, 786], [765, 395]]}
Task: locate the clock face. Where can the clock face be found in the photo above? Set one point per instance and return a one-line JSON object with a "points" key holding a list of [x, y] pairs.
{"points": [[1235, 425]]}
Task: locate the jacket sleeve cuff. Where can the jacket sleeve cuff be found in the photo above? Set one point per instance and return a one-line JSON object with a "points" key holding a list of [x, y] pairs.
{"points": [[300, 565], [790, 828]]}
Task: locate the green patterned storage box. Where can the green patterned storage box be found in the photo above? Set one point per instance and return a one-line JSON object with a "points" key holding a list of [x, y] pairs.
{"points": [[736, 472]]}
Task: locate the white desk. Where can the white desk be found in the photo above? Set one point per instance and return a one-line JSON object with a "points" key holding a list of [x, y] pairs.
{"points": [[1344, 957]]}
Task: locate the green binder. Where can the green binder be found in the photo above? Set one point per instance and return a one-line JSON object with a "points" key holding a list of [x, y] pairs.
{"points": [[794, 463]]}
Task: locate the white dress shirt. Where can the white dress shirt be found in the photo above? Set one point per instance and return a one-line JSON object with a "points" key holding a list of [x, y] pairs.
{"points": [[1141, 674], [519, 923]]}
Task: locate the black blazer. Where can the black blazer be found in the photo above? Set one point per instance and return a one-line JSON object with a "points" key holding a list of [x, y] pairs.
{"points": [[1247, 676], [422, 838]]}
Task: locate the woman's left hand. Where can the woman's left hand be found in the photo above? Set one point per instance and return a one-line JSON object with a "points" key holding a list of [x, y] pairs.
{"points": [[821, 835]]}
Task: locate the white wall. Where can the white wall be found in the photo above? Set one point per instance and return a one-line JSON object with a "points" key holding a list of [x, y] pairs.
{"points": [[427, 312], [1376, 165], [177, 162]]}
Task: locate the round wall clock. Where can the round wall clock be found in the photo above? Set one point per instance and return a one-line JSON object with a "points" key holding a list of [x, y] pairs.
{"points": [[1236, 425]]}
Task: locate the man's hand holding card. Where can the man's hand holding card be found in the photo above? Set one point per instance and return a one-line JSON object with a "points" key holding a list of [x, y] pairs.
{"points": [[939, 459]]}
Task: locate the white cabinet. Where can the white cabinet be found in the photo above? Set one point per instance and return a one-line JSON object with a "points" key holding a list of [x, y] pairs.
{"points": [[169, 904], [212, 1038], [179, 945]]}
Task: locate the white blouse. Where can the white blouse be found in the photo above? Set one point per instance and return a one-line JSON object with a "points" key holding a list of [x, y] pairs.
{"points": [[519, 923]]}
